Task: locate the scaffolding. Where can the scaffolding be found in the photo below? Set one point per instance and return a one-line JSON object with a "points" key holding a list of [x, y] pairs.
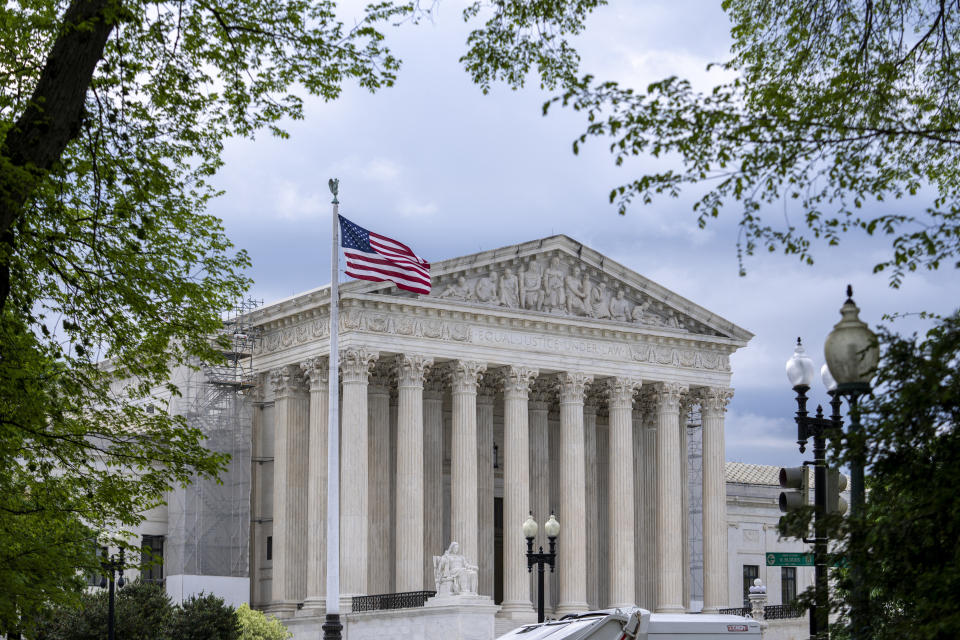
{"points": [[208, 530]]}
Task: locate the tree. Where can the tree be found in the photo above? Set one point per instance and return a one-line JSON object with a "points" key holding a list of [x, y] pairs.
{"points": [[113, 115], [204, 617], [836, 108], [143, 611], [907, 552], [254, 625]]}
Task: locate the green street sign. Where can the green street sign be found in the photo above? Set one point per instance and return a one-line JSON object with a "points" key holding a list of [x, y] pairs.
{"points": [[789, 559]]}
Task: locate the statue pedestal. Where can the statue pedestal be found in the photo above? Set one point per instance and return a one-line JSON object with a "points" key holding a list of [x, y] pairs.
{"points": [[460, 617]]}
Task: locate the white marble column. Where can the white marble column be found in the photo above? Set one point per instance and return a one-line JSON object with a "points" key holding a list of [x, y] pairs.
{"points": [[380, 561], [686, 404], [648, 566], [713, 406], [539, 410], [592, 506], [485, 484], [355, 364], [572, 542], [317, 371], [669, 500], [464, 479], [290, 471], [516, 492], [411, 370], [603, 515], [620, 558], [432, 475], [639, 499]]}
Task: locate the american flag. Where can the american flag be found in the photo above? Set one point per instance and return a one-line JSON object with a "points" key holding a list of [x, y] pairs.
{"points": [[371, 256]]}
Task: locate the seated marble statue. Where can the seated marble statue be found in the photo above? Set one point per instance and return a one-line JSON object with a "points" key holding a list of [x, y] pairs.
{"points": [[453, 574]]}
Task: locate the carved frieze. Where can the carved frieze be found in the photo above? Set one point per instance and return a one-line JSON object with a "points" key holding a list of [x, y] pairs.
{"points": [[564, 287]]}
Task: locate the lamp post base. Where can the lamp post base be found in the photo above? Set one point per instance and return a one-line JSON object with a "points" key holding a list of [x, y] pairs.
{"points": [[332, 627]]}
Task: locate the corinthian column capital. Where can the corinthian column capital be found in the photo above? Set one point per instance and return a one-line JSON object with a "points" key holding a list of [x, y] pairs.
{"points": [[517, 380], [317, 372], [412, 369], [620, 391], [465, 374], [714, 400], [356, 363], [669, 395], [286, 380], [573, 386]]}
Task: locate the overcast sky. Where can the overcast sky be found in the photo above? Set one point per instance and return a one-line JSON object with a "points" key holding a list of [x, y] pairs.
{"points": [[450, 171]]}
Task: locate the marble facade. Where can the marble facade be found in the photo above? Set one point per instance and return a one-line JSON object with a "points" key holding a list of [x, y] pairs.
{"points": [[538, 377]]}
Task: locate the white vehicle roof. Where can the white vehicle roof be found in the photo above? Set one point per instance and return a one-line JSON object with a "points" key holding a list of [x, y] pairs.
{"points": [[609, 624]]}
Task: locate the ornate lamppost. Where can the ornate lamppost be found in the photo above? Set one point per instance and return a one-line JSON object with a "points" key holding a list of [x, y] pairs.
{"points": [[800, 373], [112, 565], [852, 355], [552, 529]]}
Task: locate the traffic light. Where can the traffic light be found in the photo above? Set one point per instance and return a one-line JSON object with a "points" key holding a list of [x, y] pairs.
{"points": [[796, 497], [836, 484]]}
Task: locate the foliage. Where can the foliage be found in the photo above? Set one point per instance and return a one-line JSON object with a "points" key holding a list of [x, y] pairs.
{"points": [[113, 115], [254, 625], [836, 108], [143, 611], [907, 550], [204, 617]]}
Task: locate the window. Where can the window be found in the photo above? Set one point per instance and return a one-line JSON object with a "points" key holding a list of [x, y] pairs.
{"points": [[788, 584], [151, 559], [93, 579], [269, 547], [750, 573]]}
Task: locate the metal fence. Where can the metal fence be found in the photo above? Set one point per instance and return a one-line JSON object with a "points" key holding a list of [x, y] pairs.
{"points": [[405, 600], [782, 611], [770, 612]]}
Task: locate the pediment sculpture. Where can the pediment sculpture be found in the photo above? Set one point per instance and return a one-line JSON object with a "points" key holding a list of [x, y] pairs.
{"points": [[454, 574], [559, 288]]}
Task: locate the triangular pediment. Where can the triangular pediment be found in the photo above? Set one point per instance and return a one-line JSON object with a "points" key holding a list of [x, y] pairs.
{"points": [[561, 277]]}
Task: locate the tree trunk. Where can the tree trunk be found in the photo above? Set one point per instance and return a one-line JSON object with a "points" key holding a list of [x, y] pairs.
{"points": [[52, 117]]}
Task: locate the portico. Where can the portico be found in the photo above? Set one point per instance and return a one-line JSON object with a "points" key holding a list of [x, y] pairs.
{"points": [[537, 377]]}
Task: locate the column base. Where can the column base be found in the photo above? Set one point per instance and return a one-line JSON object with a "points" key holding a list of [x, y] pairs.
{"points": [[621, 605], [313, 607], [281, 609], [570, 607], [671, 608], [513, 615]]}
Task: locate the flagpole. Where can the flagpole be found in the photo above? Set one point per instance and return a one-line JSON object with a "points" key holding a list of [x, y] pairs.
{"points": [[332, 625]]}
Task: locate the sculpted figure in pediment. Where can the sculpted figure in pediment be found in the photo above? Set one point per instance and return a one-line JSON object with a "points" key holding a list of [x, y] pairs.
{"points": [[509, 289], [640, 314], [618, 306], [458, 290], [598, 306], [530, 281], [575, 293], [553, 296], [487, 289]]}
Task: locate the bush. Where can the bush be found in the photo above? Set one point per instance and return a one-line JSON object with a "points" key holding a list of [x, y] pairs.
{"points": [[254, 625], [204, 617], [143, 611]]}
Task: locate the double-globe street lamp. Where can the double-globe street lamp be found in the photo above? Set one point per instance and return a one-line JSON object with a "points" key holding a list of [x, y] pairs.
{"points": [[112, 565], [552, 529], [852, 354]]}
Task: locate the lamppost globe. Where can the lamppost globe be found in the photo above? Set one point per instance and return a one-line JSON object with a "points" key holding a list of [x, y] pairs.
{"points": [[827, 378], [800, 367], [552, 527], [851, 349], [530, 528]]}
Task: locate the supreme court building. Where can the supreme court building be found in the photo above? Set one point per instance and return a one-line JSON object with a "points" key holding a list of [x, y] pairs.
{"points": [[535, 378]]}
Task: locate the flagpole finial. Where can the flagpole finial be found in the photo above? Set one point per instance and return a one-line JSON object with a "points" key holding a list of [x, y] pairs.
{"points": [[334, 184]]}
